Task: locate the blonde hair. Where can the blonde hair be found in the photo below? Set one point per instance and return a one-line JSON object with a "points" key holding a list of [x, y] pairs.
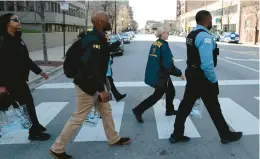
{"points": [[160, 30]]}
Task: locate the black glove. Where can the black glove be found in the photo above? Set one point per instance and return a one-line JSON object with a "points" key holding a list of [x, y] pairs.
{"points": [[114, 45], [215, 56], [216, 88]]}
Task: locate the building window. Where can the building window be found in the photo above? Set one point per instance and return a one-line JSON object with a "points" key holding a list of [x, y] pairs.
{"points": [[218, 12], [20, 6], [10, 5], [230, 10], [232, 27], [2, 6], [29, 5], [58, 8], [52, 7]]}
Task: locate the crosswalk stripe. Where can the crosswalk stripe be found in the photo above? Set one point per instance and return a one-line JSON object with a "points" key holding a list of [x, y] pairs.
{"points": [[142, 84], [165, 123], [46, 112], [97, 133], [258, 98], [239, 118]]}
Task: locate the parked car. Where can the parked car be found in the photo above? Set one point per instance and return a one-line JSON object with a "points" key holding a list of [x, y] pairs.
{"points": [[183, 34], [126, 38], [229, 37], [216, 37], [130, 34], [133, 33], [113, 38]]}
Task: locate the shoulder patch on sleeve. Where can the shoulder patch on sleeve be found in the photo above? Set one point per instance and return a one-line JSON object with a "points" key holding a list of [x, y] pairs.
{"points": [[207, 40]]}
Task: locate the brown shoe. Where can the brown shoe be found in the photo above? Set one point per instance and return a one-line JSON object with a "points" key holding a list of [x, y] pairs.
{"points": [[122, 141], [60, 155]]}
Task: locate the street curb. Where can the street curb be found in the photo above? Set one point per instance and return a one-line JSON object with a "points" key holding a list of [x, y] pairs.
{"points": [[52, 71]]}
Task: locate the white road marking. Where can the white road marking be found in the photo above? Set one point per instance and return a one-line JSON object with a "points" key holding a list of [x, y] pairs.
{"points": [[151, 37], [239, 118], [165, 123], [178, 60], [142, 84], [230, 58], [97, 133], [46, 112], [258, 98], [239, 64]]}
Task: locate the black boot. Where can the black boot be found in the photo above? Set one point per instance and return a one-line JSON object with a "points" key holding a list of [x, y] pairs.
{"points": [[174, 139], [120, 97], [234, 136], [36, 133], [138, 116], [170, 113]]}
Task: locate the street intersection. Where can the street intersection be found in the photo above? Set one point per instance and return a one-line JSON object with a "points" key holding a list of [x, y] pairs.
{"points": [[238, 75]]}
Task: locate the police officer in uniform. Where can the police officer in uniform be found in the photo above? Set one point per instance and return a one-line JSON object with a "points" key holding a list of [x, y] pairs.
{"points": [[159, 67], [201, 81]]}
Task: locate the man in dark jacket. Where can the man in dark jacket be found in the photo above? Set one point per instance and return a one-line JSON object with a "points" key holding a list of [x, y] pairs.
{"points": [[15, 65], [90, 83]]}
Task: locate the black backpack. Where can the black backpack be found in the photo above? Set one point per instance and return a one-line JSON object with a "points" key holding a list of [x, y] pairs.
{"points": [[72, 59]]}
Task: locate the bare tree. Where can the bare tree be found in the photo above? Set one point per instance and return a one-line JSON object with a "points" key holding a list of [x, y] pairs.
{"points": [[40, 8], [105, 5], [228, 11], [113, 12], [87, 14], [256, 12], [254, 9], [135, 25]]}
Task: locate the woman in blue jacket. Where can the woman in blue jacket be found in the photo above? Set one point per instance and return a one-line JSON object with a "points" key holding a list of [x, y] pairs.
{"points": [[157, 75], [118, 96]]}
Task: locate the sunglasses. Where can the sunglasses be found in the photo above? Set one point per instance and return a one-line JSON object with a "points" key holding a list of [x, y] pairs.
{"points": [[15, 20]]}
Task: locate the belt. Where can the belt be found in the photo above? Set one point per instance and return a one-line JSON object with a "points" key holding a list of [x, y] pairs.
{"points": [[193, 66]]}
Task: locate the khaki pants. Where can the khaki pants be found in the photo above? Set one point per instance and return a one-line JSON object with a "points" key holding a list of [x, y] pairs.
{"points": [[84, 105]]}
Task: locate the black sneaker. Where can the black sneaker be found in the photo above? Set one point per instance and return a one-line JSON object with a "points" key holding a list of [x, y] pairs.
{"points": [[170, 113], [43, 129], [60, 155], [235, 136], [120, 97], [173, 139], [138, 116], [123, 141], [39, 137]]}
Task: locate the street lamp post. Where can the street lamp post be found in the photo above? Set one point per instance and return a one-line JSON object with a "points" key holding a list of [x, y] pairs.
{"points": [[64, 38], [222, 16], [115, 18], [64, 6], [122, 23]]}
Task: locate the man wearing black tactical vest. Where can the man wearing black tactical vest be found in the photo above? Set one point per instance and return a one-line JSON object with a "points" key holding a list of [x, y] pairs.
{"points": [[201, 81]]}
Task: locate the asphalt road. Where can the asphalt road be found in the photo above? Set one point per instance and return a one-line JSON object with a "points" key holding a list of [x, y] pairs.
{"points": [[238, 75]]}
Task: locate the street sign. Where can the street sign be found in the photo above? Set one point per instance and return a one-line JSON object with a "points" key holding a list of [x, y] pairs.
{"points": [[64, 5]]}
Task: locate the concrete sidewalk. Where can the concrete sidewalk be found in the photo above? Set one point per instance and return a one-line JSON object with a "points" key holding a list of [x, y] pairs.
{"points": [[54, 54]]}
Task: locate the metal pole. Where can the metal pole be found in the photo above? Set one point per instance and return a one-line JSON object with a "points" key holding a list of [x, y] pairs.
{"points": [[86, 29], [115, 18], [64, 34], [222, 17]]}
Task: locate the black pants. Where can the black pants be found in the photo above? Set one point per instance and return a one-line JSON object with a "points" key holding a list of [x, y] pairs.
{"points": [[198, 86], [156, 96], [114, 91], [22, 94]]}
